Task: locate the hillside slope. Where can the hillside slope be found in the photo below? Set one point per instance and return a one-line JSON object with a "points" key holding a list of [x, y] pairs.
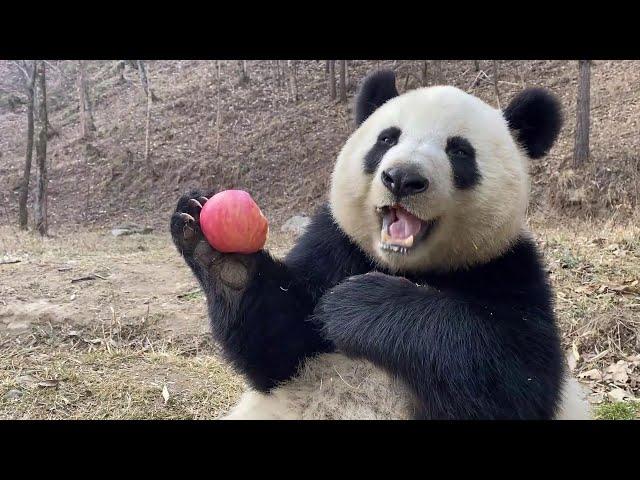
{"points": [[283, 151]]}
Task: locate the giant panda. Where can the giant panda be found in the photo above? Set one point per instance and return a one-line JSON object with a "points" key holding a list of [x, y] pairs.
{"points": [[417, 291]]}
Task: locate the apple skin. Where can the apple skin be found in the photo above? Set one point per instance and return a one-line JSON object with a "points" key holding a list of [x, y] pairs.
{"points": [[233, 223]]}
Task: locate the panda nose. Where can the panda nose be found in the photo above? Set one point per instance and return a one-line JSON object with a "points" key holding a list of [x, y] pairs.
{"points": [[404, 181]]}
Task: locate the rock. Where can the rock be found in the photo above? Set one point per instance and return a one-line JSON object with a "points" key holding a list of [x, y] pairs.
{"points": [[618, 395], [27, 381], [18, 326], [296, 225], [127, 230], [13, 395]]}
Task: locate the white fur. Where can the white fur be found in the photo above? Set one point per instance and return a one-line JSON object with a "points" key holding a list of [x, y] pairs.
{"points": [[475, 225], [334, 387]]}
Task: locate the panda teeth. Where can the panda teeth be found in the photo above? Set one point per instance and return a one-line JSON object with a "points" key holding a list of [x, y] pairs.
{"points": [[394, 248]]}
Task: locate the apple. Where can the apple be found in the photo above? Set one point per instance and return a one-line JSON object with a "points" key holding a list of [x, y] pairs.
{"points": [[233, 223]]}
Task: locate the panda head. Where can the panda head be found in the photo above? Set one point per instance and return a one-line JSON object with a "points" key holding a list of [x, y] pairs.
{"points": [[436, 179]]}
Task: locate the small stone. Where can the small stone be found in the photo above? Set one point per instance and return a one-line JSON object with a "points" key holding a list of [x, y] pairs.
{"points": [[18, 326], [13, 395], [27, 381], [128, 230]]}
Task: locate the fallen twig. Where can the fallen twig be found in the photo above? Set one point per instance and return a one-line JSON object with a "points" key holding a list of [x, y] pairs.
{"points": [[9, 262], [82, 279], [188, 294]]}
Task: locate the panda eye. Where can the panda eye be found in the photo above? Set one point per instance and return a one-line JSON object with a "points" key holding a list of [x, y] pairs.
{"points": [[388, 140], [459, 152], [459, 147]]}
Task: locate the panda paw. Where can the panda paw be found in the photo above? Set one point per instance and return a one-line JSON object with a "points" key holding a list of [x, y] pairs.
{"points": [[185, 222], [225, 273], [347, 313]]}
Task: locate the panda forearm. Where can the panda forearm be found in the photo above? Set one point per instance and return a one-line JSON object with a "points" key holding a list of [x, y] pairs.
{"points": [[457, 362], [264, 332]]}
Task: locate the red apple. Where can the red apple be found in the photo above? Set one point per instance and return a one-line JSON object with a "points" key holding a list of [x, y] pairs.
{"points": [[233, 223]]}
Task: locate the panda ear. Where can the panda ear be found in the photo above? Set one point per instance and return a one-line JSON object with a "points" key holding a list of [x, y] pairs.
{"points": [[535, 117], [375, 90]]}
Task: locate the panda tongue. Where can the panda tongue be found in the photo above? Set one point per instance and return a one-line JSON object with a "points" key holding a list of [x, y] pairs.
{"points": [[405, 225]]}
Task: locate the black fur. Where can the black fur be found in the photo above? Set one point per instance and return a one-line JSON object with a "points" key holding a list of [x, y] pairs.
{"points": [[535, 117], [476, 344], [462, 156], [480, 343], [387, 139], [264, 332], [376, 89]]}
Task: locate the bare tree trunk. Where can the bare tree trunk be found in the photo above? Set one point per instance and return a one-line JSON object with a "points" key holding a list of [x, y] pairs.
{"points": [[26, 176], [437, 71], [219, 113], [144, 80], [142, 71], [581, 147], [87, 125], [293, 79], [120, 65], [326, 69], [521, 77], [495, 82], [425, 66], [476, 65], [346, 74], [242, 67], [332, 79], [147, 129], [279, 73], [40, 107], [343, 81]]}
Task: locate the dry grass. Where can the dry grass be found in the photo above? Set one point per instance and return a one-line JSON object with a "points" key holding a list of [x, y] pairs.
{"points": [[118, 373], [107, 348], [595, 269]]}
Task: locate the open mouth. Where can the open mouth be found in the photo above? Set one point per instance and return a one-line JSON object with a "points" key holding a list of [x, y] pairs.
{"points": [[401, 230]]}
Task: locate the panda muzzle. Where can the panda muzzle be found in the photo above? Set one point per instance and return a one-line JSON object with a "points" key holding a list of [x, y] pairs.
{"points": [[399, 227]]}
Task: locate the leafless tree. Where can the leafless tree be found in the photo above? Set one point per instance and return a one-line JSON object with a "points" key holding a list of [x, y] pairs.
{"points": [[476, 65], [425, 71], [147, 130], [219, 112], [437, 72], [28, 75], [581, 146], [119, 67], [144, 80], [292, 66], [41, 122], [495, 82], [242, 68], [343, 81], [87, 125], [332, 79]]}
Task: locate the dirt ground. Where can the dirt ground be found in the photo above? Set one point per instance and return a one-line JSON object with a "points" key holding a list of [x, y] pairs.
{"points": [[97, 326]]}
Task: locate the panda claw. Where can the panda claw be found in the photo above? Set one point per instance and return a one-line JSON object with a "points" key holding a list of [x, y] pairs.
{"points": [[195, 203], [187, 218], [203, 200]]}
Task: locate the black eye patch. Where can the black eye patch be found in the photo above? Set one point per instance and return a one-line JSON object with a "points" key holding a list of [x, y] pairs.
{"points": [[463, 162], [386, 139]]}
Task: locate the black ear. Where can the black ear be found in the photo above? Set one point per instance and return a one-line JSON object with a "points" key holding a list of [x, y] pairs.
{"points": [[535, 117], [375, 90]]}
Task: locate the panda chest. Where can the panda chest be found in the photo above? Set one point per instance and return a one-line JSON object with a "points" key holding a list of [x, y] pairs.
{"points": [[335, 387]]}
